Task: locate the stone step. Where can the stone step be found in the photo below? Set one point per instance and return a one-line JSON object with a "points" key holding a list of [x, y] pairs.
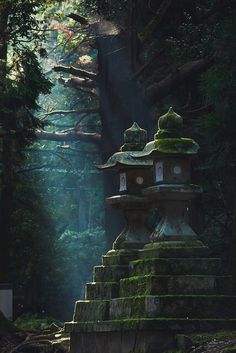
{"points": [[91, 310], [119, 257], [101, 290], [175, 252], [184, 284], [174, 306], [176, 266], [158, 324], [138, 335], [110, 273]]}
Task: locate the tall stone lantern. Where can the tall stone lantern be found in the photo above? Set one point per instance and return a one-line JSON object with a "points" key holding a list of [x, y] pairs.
{"points": [[172, 190], [134, 175]]}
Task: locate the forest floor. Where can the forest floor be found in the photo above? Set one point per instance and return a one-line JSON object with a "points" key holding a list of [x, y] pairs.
{"points": [[216, 342], [53, 340]]}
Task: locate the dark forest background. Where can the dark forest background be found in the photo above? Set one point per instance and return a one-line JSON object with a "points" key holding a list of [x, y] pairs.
{"points": [[73, 76]]}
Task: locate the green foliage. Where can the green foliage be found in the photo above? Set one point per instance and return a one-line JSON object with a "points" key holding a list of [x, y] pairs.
{"points": [[34, 322]]}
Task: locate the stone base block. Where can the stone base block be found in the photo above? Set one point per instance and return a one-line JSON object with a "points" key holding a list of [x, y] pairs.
{"points": [[151, 285], [101, 290], [176, 266], [137, 335], [87, 310], [122, 342], [120, 257], [177, 306], [173, 249], [110, 273]]}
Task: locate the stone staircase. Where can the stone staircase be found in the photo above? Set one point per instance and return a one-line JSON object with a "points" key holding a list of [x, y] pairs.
{"points": [[140, 299]]}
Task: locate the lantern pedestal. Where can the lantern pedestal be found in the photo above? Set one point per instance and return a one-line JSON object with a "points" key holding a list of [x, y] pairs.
{"points": [[135, 234], [172, 201]]}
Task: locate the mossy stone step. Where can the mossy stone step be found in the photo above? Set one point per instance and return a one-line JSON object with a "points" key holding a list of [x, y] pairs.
{"points": [[178, 252], [175, 306], [101, 290], [176, 266], [91, 310], [120, 257], [110, 273], [183, 284], [158, 324]]}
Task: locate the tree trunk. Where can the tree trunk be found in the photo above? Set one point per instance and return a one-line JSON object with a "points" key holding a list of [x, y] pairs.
{"points": [[121, 103], [7, 167]]}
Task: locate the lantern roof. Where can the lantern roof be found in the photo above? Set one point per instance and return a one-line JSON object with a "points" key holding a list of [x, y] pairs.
{"points": [[135, 139], [168, 138]]}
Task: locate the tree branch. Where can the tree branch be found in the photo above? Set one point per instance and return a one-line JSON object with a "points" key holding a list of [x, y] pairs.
{"points": [[154, 23], [205, 109], [76, 83], [162, 88], [70, 135], [75, 71], [80, 19], [73, 111]]}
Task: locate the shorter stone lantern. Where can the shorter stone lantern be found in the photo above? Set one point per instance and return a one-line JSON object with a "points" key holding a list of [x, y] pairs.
{"points": [[172, 192], [134, 175]]}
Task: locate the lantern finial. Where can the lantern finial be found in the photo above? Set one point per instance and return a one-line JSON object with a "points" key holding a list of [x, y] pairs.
{"points": [[135, 138], [169, 125]]}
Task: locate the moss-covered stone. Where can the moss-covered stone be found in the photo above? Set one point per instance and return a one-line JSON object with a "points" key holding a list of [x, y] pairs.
{"points": [[189, 325], [91, 310], [183, 284], [174, 306], [176, 266], [185, 252], [120, 257], [176, 145], [110, 273], [101, 290], [175, 244]]}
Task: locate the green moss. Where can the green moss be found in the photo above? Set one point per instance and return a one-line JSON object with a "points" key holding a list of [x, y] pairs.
{"points": [[230, 349], [176, 145], [101, 290], [34, 322], [176, 266], [174, 244]]}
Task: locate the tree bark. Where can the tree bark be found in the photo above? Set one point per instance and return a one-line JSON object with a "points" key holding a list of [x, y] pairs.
{"points": [[6, 206], [154, 23]]}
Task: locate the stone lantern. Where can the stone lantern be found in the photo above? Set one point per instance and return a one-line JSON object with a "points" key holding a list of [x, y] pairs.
{"points": [[172, 191], [134, 175]]}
